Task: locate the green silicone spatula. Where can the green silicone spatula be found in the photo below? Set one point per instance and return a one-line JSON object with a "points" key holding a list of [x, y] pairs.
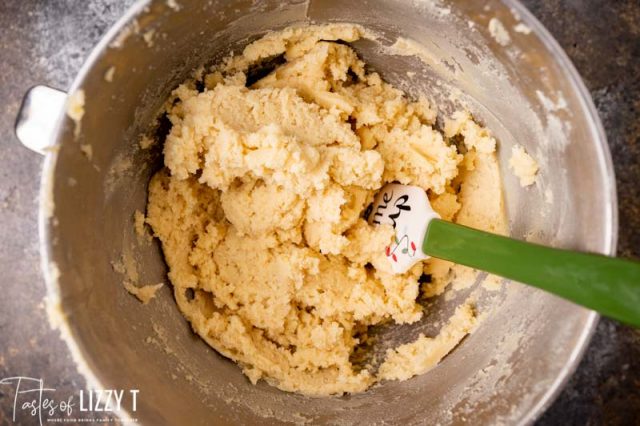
{"points": [[607, 285]]}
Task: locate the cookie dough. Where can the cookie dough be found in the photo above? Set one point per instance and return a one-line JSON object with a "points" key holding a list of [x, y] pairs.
{"points": [[259, 209], [144, 293], [75, 110], [523, 166]]}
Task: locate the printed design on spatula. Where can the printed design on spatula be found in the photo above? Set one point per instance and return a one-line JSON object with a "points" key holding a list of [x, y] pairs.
{"points": [[407, 209], [407, 247]]}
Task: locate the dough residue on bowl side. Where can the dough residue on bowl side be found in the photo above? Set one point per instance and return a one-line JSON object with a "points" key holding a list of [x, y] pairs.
{"points": [[523, 166]]}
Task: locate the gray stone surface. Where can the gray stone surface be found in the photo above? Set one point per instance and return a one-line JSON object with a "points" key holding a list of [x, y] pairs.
{"points": [[45, 42]]}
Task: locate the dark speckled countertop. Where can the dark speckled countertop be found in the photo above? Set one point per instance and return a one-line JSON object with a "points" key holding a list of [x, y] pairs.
{"points": [[45, 42]]}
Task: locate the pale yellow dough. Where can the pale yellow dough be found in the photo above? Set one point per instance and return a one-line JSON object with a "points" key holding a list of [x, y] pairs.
{"points": [[144, 293], [259, 210], [523, 166]]}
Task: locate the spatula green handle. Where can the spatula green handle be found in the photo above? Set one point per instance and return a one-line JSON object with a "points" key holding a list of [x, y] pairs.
{"points": [[608, 285]]}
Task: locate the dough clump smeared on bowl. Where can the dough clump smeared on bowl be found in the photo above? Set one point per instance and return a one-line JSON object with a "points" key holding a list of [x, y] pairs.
{"points": [[260, 210]]}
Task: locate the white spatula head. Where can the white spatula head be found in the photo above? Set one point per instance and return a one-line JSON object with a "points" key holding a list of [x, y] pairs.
{"points": [[408, 210]]}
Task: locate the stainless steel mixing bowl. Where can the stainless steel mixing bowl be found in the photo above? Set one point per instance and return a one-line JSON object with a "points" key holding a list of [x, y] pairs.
{"points": [[526, 91]]}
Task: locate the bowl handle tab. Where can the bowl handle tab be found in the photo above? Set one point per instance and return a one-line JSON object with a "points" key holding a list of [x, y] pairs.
{"points": [[39, 116]]}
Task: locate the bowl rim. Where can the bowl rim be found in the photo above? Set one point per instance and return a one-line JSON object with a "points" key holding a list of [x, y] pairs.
{"points": [[611, 209], [55, 315], [51, 274]]}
